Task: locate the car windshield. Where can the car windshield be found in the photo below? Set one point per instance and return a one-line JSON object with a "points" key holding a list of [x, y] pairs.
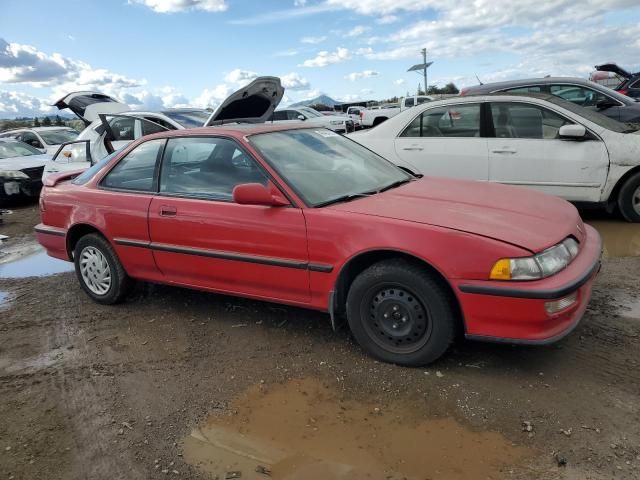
{"points": [[56, 137], [593, 116], [324, 167], [17, 149], [188, 118], [310, 111]]}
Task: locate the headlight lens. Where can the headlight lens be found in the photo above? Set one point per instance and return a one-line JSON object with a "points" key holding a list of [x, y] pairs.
{"points": [[541, 265], [16, 174]]}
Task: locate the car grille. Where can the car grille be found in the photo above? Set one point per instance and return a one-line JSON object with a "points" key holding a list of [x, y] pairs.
{"points": [[34, 173]]}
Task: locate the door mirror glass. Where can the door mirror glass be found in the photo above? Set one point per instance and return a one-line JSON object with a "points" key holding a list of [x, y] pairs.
{"points": [[604, 104], [255, 194], [572, 131]]}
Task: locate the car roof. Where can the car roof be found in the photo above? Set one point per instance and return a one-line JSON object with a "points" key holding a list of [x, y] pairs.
{"points": [[233, 130], [528, 81]]}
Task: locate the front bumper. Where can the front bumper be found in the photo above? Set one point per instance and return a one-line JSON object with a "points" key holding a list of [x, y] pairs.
{"points": [[515, 312], [20, 187]]}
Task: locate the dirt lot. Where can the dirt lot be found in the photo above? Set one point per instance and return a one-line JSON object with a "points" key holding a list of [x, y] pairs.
{"points": [[184, 384]]}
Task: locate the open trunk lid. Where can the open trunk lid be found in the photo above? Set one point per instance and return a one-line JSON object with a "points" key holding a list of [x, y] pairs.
{"points": [[88, 105], [253, 103], [613, 68]]}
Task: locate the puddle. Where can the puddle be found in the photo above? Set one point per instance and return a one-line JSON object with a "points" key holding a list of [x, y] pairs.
{"points": [[4, 299], [34, 265], [304, 430], [620, 239]]}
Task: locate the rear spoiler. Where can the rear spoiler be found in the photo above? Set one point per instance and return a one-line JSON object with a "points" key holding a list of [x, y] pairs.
{"points": [[56, 178]]}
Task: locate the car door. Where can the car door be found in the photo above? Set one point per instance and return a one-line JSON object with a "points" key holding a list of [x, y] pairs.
{"points": [[526, 150], [446, 141], [123, 200], [202, 238]]}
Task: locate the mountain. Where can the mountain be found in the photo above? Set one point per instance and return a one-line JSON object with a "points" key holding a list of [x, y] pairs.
{"points": [[320, 99]]}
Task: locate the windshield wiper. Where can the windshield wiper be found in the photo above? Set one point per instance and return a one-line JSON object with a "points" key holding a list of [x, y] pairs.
{"points": [[396, 184], [345, 198]]}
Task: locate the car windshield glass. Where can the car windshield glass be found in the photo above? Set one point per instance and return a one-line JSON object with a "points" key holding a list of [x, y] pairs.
{"points": [[88, 174], [311, 112], [188, 118], [324, 167], [17, 149], [593, 116], [56, 137]]}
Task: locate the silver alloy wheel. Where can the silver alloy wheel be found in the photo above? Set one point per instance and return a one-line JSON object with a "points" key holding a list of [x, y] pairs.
{"points": [[635, 200], [95, 270]]}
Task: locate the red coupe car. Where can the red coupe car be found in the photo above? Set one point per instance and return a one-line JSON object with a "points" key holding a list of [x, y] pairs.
{"points": [[307, 217]]}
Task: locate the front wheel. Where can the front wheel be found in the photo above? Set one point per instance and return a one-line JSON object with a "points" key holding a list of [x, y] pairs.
{"points": [[99, 271], [400, 313], [629, 199]]}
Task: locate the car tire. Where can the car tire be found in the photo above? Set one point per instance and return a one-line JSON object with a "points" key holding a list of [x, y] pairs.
{"points": [[629, 199], [401, 313], [99, 270]]}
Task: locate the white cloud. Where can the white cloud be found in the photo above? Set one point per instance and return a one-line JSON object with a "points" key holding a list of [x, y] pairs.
{"points": [[18, 104], [400, 81], [364, 74], [384, 7], [313, 40], [357, 31], [387, 19], [366, 91], [286, 53], [299, 3], [240, 77], [325, 58], [172, 6], [293, 81], [212, 98]]}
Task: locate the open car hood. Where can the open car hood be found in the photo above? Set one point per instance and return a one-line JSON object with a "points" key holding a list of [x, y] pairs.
{"points": [[251, 104], [613, 68], [88, 105]]}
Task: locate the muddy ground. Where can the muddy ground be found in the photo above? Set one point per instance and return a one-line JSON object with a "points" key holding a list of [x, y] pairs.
{"points": [[184, 384]]}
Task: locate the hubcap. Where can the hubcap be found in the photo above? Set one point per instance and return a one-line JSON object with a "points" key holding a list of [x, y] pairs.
{"points": [[635, 200], [397, 320], [95, 270]]}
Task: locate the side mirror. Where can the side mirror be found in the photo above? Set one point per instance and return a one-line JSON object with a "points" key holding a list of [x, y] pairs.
{"points": [[572, 131], [256, 194], [302, 118], [35, 144]]}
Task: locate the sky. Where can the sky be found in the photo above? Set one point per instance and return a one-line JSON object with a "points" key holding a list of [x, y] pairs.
{"points": [[155, 54]]}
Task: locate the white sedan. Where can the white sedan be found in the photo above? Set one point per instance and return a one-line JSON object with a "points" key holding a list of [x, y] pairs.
{"points": [[537, 141], [337, 123]]}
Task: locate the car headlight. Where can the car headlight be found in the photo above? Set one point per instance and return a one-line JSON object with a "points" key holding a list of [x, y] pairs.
{"points": [[541, 265], [336, 122], [15, 174]]}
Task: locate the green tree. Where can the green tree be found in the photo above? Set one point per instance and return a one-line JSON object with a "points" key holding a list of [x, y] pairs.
{"points": [[36, 122], [46, 122], [59, 121]]}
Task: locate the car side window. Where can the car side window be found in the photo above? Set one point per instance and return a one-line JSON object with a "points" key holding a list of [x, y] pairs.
{"points": [[136, 171], [582, 96], [522, 120], [531, 89], [446, 121], [207, 167], [280, 115], [293, 115], [123, 128], [31, 139]]}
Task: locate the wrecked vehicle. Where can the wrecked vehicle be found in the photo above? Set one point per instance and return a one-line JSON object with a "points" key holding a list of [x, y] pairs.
{"points": [[630, 84], [537, 141], [111, 125], [307, 217], [21, 167]]}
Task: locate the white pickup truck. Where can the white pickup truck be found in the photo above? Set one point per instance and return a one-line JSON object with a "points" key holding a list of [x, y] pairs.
{"points": [[376, 115]]}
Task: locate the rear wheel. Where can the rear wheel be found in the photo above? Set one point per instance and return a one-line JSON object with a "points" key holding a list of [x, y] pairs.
{"points": [[400, 313], [629, 198], [99, 271]]}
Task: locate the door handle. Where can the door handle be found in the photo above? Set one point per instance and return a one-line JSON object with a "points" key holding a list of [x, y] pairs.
{"points": [[504, 151], [168, 211], [413, 149]]}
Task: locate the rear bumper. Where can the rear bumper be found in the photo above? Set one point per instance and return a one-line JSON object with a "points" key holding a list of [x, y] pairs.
{"points": [[54, 241], [515, 312]]}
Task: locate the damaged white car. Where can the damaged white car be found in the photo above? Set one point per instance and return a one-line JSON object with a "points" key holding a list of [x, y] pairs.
{"points": [[537, 141], [111, 125], [21, 167]]}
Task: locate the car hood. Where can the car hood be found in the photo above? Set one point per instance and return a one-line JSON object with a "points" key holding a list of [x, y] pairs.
{"points": [[254, 103], [88, 105], [613, 68], [519, 216], [19, 163]]}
